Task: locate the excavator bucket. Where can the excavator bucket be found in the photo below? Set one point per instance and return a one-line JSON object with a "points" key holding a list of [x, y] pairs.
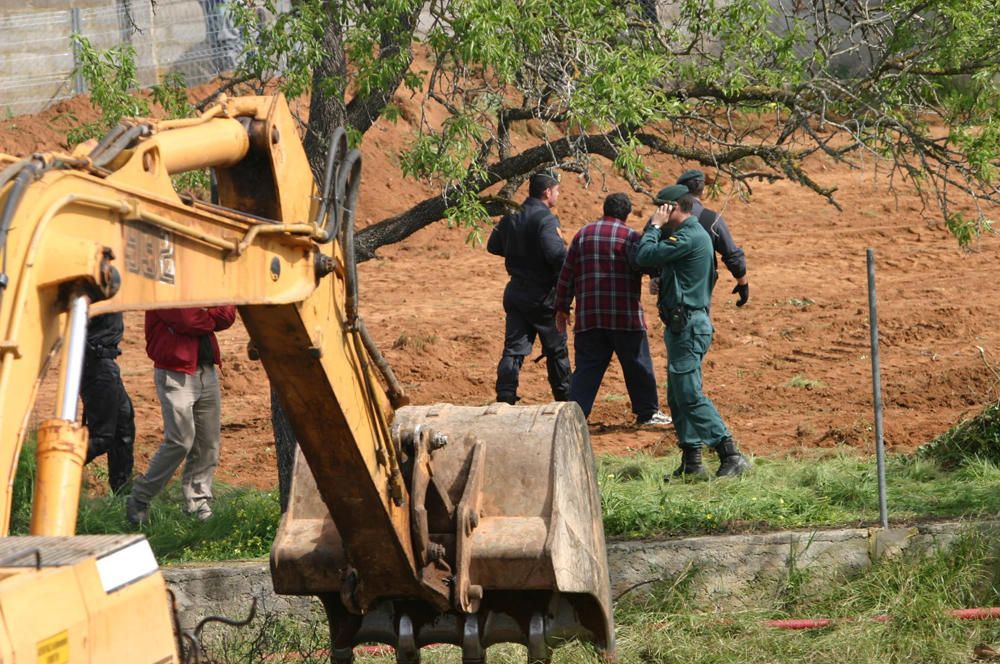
{"points": [[503, 507]]}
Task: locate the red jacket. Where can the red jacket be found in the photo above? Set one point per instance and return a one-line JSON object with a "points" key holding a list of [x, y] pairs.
{"points": [[172, 335]]}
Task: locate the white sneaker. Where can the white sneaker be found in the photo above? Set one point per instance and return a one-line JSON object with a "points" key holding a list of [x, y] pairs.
{"points": [[657, 419]]}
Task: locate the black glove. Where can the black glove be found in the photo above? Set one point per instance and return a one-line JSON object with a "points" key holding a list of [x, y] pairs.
{"points": [[744, 291]]}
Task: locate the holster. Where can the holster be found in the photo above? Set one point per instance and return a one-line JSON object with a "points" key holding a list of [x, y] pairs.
{"points": [[675, 318]]}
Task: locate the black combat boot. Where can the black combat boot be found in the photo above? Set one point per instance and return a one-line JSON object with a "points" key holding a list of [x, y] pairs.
{"points": [[691, 466], [732, 463]]}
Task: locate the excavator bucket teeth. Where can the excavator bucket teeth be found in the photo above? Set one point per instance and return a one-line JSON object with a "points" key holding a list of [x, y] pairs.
{"points": [[505, 510]]}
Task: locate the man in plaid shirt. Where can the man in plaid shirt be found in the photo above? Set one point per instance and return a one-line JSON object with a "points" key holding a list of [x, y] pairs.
{"points": [[600, 273]]}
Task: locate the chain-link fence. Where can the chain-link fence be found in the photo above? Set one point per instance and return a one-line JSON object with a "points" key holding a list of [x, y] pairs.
{"points": [[195, 38]]}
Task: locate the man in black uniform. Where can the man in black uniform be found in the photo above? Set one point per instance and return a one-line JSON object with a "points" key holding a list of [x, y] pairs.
{"points": [[533, 250], [722, 240], [107, 409]]}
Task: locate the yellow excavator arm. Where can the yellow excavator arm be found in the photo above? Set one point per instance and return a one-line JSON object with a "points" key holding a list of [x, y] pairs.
{"points": [[394, 521]]}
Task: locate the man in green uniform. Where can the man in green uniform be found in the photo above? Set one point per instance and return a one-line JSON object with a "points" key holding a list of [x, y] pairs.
{"points": [[683, 251]]}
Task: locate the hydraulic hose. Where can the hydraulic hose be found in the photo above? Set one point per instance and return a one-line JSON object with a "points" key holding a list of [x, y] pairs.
{"points": [[107, 140], [11, 171], [118, 144], [348, 183], [29, 169], [334, 157], [397, 396]]}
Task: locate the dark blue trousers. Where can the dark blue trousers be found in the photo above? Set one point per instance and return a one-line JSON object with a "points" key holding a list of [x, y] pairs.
{"points": [[110, 420], [593, 349], [531, 313]]}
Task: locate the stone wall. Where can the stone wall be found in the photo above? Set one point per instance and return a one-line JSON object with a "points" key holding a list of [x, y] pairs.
{"points": [[724, 570]]}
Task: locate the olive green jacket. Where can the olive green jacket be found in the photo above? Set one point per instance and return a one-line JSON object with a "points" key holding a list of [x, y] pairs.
{"points": [[686, 261]]}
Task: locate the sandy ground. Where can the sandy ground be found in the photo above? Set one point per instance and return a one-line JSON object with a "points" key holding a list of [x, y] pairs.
{"points": [[790, 372]]}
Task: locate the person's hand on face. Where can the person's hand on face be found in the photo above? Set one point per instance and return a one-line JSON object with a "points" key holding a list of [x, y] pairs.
{"points": [[662, 215]]}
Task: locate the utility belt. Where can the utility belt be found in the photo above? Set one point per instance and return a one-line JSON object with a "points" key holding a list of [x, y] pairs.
{"points": [[102, 352], [531, 284], [676, 318]]}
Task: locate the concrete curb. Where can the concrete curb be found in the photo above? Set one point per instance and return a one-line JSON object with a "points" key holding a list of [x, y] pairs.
{"points": [[726, 569]]}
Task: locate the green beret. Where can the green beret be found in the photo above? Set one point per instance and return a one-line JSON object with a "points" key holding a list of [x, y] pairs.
{"points": [[690, 174], [670, 194]]}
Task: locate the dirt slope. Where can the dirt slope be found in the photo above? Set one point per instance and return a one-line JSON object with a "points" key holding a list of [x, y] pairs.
{"points": [[790, 372]]}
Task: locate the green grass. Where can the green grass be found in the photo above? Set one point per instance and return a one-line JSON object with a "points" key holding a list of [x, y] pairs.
{"points": [[954, 476], [243, 524], [668, 625], [785, 493], [778, 494], [915, 591], [800, 302]]}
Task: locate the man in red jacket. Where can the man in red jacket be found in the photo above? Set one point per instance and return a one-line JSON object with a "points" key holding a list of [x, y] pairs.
{"points": [[184, 350]]}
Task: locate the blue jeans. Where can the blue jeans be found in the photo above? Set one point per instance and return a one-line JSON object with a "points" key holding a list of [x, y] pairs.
{"points": [[593, 349]]}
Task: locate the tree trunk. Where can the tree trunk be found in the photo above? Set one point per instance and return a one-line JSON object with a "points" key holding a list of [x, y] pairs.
{"points": [[395, 38], [285, 446], [326, 104], [326, 113], [400, 227]]}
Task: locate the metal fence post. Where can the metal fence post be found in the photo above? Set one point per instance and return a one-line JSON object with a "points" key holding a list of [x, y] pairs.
{"points": [[883, 509], [77, 29]]}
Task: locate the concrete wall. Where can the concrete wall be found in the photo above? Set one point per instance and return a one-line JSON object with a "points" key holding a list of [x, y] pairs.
{"points": [[193, 37], [728, 570]]}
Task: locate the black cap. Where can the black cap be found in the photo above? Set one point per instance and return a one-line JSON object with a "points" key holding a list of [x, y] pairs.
{"points": [[689, 175]]}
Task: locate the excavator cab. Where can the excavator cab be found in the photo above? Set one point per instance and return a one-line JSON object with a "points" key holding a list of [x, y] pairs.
{"points": [[414, 525]]}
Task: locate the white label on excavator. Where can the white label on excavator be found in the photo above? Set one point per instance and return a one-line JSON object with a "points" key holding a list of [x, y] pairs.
{"points": [[125, 566]]}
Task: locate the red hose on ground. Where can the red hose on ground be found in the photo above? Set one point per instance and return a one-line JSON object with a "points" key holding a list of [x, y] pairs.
{"points": [[977, 614], [799, 623], [816, 623]]}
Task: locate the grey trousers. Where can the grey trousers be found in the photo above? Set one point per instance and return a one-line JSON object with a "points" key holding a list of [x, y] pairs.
{"points": [[191, 428]]}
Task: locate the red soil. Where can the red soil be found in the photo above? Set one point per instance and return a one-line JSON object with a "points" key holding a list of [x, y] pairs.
{"points": [[790, 372]]}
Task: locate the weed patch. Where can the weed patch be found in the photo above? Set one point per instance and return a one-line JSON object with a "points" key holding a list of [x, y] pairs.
{"points": [[414, 342], [977, 438], [803, 382]]}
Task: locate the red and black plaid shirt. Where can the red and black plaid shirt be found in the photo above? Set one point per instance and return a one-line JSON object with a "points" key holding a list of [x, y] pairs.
{"points": [[599, 273]]}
